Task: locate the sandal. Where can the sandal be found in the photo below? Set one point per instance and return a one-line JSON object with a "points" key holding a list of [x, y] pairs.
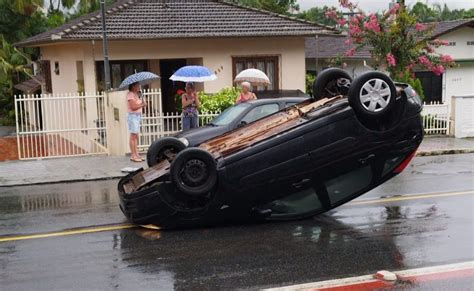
{"points": [[136, 160]]}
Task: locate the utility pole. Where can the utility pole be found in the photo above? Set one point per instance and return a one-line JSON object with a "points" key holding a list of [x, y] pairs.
{"points": [[106, 47]]}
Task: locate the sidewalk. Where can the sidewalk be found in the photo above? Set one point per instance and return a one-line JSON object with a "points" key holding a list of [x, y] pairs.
{"points": [[13, 173], [64, 170], [432, 146]]}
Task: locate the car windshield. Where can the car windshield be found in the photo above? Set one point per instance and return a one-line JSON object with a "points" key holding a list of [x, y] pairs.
{"points": [[230, 114]]}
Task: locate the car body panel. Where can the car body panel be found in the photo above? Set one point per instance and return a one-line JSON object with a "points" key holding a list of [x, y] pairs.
{"points": [[296, 163]]}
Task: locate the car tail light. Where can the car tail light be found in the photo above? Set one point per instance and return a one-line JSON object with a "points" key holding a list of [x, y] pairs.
{"points": [[405, 163]]}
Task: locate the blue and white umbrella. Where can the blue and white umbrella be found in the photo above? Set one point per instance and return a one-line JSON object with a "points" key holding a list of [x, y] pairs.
{"points": [[193, 74], [144, 78]]}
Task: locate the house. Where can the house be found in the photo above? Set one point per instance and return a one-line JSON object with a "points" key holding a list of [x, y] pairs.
{"points": [[162, 36], [321, 50]]}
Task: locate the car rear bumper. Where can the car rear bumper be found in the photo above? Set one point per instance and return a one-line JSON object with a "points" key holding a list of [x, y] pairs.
{"points": [[144, 206]]}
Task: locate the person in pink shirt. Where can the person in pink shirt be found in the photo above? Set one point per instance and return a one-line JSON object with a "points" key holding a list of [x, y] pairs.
{"points": [[135, 105], [246, 94]]}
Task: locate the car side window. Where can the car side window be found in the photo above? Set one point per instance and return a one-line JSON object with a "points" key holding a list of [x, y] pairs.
{"points": [[260, 112], [346, 185]]}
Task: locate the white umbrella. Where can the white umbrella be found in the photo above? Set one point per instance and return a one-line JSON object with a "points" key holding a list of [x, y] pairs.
{"points": [[253, 76]]}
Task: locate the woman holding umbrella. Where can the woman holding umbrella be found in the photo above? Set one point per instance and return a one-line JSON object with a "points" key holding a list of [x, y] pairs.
{"points": [[190, 100], [247, 78], [135, 105], [191, 103], [247, 94]]}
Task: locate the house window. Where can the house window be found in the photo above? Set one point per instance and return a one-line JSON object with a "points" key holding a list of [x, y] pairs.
{"points": [[268, 64], [80, 76], [46, 72], [119, 70], [470, 42], [56, 68]]}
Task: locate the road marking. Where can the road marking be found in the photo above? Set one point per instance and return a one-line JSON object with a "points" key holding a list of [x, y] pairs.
{"points": [[84, 230], [94, 229], [410, 197], [362, 282]]}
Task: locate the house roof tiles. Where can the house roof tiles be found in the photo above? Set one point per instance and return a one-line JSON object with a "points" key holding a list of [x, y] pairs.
{"points": [[326, 47], [332, 46], [165, 19]]}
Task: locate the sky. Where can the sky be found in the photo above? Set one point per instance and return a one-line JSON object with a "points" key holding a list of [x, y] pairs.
{"points": [[378, 5]]}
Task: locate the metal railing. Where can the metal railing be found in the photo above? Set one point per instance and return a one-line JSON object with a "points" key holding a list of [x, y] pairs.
{"points": [[436, 119], [156, 124], [60, 125], [65, 125], [165, 124]]}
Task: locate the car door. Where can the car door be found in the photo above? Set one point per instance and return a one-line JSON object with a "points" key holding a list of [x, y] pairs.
{"points": [[328, 188]]}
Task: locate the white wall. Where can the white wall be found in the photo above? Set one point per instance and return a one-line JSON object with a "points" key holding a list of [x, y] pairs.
{"points": [[67, 55], [463, 109], [461, 51], [458, 81], [215, 53]]}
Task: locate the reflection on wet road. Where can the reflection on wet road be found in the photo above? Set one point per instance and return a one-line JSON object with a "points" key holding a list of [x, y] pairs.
{"points": [[355, 239]]}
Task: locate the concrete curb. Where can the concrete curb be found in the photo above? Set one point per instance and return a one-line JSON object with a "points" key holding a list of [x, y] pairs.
{"points": [[444, 152], [112, 177], [75, 180], [379, 281]]}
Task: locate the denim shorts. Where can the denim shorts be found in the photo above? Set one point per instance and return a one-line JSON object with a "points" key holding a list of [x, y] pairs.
{"points": [[134, 122]]}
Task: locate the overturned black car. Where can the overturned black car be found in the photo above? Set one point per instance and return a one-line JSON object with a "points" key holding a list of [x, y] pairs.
{"points": [[303, 160]]}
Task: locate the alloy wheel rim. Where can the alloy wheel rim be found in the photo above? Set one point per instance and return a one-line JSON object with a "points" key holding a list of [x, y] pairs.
{"points": [[375, 95]]}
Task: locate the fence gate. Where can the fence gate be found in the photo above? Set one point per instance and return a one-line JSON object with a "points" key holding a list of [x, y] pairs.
{"points": [[436, 118], [60, 125]]}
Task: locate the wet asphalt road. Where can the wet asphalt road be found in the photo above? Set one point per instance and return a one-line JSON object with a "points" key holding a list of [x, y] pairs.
{"points": [[355, 239]]}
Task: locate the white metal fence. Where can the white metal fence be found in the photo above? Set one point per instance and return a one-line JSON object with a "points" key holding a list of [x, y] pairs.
{"points": [[165, 124], [156, 124], [74, 124], [436, 118], [60, 125]]}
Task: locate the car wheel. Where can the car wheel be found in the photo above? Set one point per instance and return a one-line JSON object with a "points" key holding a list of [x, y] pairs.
{"points": [[372, 94], [193, 172], [331, 82], [165, 148]]}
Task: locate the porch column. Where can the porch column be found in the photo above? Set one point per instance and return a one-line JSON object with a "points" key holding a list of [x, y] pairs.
{"points": [[117, 131]]}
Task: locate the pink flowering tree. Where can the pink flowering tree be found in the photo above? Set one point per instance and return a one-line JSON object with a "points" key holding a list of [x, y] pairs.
{"points": [[397, 42]]}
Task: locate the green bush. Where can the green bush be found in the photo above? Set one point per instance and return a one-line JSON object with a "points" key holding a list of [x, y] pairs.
{"points": [[415, 83], [219, 101], [310, 78]]}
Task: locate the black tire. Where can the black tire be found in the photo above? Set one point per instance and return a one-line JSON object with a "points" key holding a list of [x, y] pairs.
{"points": [[379, 91], [162, 147], [193, 172], [331, 82]]}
